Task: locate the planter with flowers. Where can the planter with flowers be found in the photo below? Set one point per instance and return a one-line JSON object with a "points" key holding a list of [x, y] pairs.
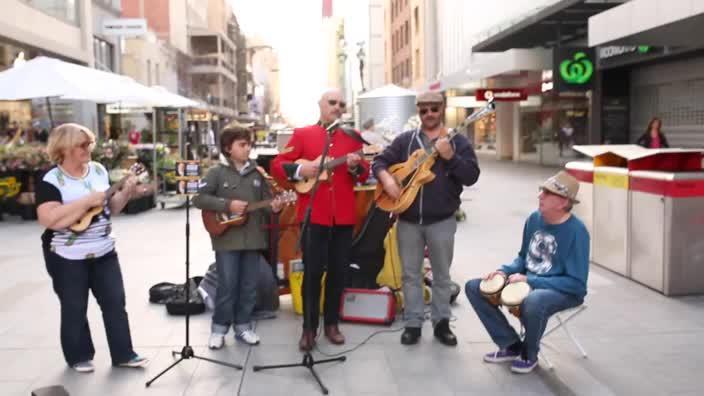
{"points": [[21, 168]]}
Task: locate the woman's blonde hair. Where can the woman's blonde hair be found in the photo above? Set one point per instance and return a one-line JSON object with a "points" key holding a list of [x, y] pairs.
{"points": [[66, 136]]}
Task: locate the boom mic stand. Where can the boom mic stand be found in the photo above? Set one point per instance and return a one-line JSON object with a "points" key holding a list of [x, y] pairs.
{"points": [[308, 360], [187, 350]]}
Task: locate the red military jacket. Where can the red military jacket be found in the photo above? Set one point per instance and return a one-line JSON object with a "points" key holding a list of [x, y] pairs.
{"points": [[334, 201]]}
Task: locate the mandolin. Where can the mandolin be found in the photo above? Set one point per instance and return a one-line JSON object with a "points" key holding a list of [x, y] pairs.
{"points": [[83, 223], [217, 223], [304, 185], [416, 171]]}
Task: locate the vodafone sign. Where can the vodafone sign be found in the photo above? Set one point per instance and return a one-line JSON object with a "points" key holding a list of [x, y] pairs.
{"points": [[501, 95]]}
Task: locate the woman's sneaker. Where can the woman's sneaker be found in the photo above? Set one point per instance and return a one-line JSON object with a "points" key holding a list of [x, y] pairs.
{"points": [[216, 341], [522, 366], [84, 367], [502, 355], [137, 361], [248, 337]]}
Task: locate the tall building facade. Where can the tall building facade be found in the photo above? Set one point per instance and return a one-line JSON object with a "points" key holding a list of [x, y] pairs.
{"points": [[66, 29], [398, 42]]}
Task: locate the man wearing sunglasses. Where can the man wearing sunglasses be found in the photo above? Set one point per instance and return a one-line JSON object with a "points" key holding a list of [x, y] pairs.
{"points": [[328, 239], [553, 260], [430, 220]]}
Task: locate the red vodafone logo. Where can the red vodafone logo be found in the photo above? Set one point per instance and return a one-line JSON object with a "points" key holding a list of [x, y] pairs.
{"points": [[501, 94]]}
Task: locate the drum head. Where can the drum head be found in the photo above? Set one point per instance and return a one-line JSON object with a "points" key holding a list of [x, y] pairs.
{"points": [[492, 285], [514, 293]]}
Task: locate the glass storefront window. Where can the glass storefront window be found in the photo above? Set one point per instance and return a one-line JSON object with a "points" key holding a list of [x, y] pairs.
{"points": [[485, 133], [564, 122], [103, 53], [66, 10]]}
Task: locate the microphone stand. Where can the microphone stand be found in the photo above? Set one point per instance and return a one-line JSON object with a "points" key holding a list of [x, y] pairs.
{"points": [[308, 360], [187, 351]]}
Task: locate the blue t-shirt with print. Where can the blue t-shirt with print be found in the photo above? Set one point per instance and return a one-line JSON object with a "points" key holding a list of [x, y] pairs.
{"points": [[553, 256]]}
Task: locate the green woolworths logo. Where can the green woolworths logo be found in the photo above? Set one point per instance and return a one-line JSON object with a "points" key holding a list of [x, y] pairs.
{"points": [[577, 70]]}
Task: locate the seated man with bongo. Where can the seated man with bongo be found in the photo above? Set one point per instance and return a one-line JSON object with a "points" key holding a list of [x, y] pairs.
{"points": [[553, 261]]}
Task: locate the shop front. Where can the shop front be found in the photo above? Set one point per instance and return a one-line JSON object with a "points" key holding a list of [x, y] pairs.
{"points": [[640, 83]]}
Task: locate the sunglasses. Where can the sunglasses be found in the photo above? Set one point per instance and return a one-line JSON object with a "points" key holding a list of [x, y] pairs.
{"points": [[333, 102], [85, 145], [424, 110]]}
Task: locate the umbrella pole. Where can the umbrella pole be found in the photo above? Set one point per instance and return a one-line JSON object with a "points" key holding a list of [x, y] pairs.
{"points": [[156, 179], [48, 109]]}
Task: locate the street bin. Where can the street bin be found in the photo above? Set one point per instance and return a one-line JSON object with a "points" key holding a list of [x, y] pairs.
{"points": [[610, 208], [584, 172], [667, 229]]}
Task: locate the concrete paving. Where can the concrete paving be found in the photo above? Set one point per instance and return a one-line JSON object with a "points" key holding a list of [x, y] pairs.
{"points": [[638, 341]]}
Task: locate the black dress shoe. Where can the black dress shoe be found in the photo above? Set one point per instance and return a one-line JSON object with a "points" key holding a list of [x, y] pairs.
{"points": [[444, 334], [410, 335]]}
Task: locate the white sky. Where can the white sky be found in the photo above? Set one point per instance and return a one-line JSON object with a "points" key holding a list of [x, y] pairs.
{"points": [[293, 28]]}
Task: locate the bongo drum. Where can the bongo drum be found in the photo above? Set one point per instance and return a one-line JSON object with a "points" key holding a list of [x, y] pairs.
{"points": [[513, 295], [491, 288]]}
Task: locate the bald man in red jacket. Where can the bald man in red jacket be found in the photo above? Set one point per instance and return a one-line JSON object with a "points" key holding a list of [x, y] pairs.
{"points": [[326, 245]]}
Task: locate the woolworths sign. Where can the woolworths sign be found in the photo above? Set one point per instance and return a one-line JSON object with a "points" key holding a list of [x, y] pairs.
{"points": [[612, 51], [573, 69]]}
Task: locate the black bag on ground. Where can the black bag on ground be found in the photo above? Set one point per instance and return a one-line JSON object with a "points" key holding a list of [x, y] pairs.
{"points": [[161, 292], [367, 253], [177, 305]]}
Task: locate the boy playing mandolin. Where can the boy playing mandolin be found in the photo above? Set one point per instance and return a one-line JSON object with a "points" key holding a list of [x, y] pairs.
{"points": [[228, 188]]}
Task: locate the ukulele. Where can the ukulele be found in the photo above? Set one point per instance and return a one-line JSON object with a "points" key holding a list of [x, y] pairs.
{"points": [[216, 223], [83, 223], [416, 171], [305, 185]]}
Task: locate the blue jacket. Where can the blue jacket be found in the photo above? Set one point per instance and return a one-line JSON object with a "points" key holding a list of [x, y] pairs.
{"points": [[553, 256], [440, 198]]}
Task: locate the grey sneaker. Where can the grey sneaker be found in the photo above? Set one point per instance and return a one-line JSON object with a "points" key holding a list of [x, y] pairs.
{"points": [[136, 361], [84, 367]]}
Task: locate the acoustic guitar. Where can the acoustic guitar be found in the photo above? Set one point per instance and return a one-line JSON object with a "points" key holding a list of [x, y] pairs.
{"points": [[217, 223], [416, 171], [84, 222]]}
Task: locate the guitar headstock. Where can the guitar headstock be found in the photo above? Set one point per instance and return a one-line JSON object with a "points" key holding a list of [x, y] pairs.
{"points": [[137, 169], [287, 197]]}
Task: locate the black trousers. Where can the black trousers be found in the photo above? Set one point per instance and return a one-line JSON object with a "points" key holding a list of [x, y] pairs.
{"points": [[72, 281], [324, 249]]}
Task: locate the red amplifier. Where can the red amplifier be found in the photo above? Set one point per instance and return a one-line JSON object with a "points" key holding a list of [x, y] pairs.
{"points": [[368, 306]]}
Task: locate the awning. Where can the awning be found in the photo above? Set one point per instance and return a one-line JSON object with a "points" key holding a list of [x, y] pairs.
{"points": [[45, 77], [566, 20], [650, 22]]}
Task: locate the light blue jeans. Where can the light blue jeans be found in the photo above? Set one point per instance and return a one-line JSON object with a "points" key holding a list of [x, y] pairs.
{"points": [[236, 293], [536, 309]]}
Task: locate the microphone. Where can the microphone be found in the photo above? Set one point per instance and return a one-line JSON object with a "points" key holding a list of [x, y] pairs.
{"points": [[332, 126]]}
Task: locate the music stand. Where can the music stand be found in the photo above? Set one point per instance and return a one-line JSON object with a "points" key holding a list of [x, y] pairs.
{"points": [[187, 350], [308, 360]]}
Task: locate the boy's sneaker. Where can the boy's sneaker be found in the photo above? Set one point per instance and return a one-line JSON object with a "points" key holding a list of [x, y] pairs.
{"points": [[84, 367], [502, 355], [522, 366], [137, 361], [248, 337], [216, 341]]}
